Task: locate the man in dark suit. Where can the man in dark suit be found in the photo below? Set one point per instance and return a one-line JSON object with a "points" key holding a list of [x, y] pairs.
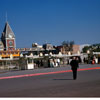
{"points": [[74, 65]]}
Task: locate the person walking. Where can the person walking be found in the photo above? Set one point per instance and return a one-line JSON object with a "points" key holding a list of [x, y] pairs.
{"points": [[51, 63], [74, 65]]}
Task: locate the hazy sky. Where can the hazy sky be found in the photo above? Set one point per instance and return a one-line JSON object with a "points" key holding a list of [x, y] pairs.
{"points": [[52, 21]]}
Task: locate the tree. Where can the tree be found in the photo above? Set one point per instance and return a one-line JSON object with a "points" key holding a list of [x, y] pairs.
{"points": [[85, 49], [65, 45], [92, 48], [68, 45], [71, 45]]}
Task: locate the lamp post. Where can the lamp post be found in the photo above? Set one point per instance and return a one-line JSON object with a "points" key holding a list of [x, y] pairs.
{"points": [[69, 53], [21, 55], [50, 53], [60, 53], [88, 53], [41, 54]]}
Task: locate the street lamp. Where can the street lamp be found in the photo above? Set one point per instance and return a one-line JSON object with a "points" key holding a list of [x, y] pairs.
{"points": [[88, 54], [21, 55], [88, 51], [31, 55], [69, 53], [50, 53], [11, 56], [41, 54], [60, 53]]}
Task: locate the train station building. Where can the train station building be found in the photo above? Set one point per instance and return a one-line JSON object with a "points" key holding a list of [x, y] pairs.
{"points": [[8, 52]]}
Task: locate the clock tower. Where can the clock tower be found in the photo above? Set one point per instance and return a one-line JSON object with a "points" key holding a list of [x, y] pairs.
{"points": [[8, 38]]}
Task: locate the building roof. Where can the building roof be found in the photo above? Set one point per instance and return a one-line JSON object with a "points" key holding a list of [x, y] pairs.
{"points": [[7, 30], [48, 46]]}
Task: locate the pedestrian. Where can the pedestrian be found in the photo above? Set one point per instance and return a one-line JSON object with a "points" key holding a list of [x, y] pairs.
{"points": [[96, 60], [74, 65], [51, 63], [58, 61], [93, 61]]}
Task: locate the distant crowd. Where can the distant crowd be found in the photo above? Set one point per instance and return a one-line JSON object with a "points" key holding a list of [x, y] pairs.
{"points": [[57, 62]]}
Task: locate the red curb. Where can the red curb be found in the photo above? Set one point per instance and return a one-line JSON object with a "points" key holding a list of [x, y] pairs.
{"points": [[38, 74]]}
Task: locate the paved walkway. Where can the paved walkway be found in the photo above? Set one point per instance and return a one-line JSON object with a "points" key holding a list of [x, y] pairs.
{"points": [[4, 73]]}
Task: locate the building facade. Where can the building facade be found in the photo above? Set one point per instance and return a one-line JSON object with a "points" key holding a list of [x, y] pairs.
{"points": [[63, 50], [76, 49]]}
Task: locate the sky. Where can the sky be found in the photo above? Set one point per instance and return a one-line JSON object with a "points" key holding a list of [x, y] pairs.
{"points": [[52, 21]]}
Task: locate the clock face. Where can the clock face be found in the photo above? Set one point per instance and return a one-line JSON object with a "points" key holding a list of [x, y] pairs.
{"points": [[10, 43]]}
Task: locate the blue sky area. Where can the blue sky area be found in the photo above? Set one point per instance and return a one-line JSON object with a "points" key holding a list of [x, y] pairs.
{"points": [[52, 21]]}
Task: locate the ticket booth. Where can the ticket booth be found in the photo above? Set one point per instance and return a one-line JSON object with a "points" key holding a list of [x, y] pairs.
{"points": [[30, 63]]}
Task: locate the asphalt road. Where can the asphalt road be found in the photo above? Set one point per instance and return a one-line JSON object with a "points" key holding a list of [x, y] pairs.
{"points": [[52, 85]]}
